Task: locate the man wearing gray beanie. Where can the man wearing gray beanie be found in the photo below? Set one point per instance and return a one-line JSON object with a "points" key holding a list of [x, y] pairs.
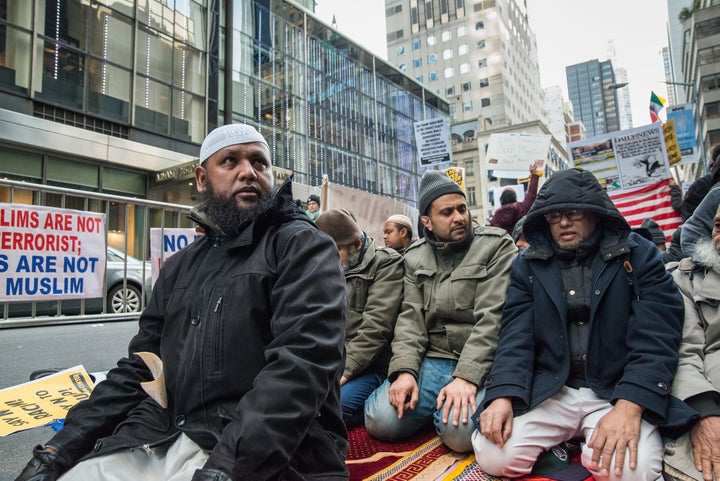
{"points": [[445, 336], [374, 280], [252, 354]]}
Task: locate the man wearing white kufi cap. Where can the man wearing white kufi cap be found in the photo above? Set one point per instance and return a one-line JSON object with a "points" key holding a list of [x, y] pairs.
{"points": [[252, 353]]}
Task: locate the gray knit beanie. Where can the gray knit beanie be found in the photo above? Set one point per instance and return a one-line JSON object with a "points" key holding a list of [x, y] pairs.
{"points": [[433, 185], [340, 225]]}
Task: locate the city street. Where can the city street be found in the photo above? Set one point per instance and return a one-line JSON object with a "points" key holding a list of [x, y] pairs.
{"points": [[96, 346]]}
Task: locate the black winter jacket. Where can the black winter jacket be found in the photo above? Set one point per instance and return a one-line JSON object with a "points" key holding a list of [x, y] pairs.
{"points": [[635, 319], [252, 353]]}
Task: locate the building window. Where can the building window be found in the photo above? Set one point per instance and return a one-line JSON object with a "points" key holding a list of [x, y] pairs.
{"points": [[400, 50], [447, 53], [417, 62], [432, 58], [433, 76], [431, 40], [485, 102], [471, 193], [466, 86], [482, 63], [479, 25], [463, 49], [469, 167], [449, 91], [402, 67], [416, 45], [461, 31], [419, 79], [484, 82], [481, 44], [449, 72], [464, 68], [467, 106], [712, 110], [446, 36]]}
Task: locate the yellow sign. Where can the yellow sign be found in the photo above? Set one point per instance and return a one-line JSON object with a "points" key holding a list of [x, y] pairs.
{"points": [[39, 402], [671, 142], [457, 175]]}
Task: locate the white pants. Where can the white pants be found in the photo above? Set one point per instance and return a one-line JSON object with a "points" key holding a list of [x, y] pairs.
{"points": [[175, 462], [568, 414]]}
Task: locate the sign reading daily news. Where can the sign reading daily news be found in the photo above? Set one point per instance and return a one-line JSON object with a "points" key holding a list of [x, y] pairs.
{"points": [[433, 141], [627, 159], [49, 253], [166, 242]]}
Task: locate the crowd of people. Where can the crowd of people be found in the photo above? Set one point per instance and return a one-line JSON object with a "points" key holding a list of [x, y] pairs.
{"points": [[279, 329]]}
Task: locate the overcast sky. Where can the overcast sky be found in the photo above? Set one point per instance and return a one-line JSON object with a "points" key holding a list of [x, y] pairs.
{"points": [[567, 32]]}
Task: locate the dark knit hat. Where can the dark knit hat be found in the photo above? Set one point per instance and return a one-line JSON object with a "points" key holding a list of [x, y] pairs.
{"points": [[508, 196], [339, 224], [433, 185], [517, 230], [315, 198], [658, 236]]}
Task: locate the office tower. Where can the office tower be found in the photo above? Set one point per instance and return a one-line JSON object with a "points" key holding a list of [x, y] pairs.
{"points": [[700, 82], [591, 88], [479, 56]]}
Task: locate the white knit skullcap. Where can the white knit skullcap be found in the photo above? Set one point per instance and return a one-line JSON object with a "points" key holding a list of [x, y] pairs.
{"points": [[230, 134], [400, 219]]}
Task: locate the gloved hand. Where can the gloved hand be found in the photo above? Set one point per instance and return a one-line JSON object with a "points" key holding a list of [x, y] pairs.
{"points": [[210, 475], [44, 466]]}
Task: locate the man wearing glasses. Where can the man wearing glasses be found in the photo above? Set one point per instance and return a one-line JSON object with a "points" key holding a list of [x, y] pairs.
{"points": [[588, 342]]}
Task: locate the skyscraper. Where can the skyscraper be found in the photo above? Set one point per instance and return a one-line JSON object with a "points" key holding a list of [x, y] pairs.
{"points": [[480, 56], [591, 88]]}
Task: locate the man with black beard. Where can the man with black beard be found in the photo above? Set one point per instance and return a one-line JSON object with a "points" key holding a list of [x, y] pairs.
{"points": [[374, 279], [252, 353], [696, 455], [445, 336]]}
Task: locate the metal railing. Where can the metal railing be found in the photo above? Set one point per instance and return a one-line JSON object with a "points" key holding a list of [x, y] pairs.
{"points": [[125, 217]]}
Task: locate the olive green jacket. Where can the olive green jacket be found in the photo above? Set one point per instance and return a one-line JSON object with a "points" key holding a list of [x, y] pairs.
{"points": [[375, 289], [455, 314]]}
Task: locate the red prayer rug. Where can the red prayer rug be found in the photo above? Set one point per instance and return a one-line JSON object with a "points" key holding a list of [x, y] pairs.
{"points": [[424, 457]]}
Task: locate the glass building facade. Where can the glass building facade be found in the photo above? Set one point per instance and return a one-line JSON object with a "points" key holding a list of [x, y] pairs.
{"points": [[161, 73]]}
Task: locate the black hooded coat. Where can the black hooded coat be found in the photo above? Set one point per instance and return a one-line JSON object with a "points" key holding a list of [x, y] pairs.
{"points": [[635, 318]]}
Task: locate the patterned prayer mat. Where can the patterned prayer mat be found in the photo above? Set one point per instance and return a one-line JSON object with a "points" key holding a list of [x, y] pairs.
{"points": [[424, 457]]}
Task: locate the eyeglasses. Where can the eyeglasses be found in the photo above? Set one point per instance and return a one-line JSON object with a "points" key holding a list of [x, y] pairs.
{"points": [[556, 216]]}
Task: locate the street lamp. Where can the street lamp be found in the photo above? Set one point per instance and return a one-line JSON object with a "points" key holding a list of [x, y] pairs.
{"points": [[616, 86]]}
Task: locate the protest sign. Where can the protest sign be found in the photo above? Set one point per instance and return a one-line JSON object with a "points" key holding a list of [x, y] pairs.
{"points": [[49, 253], [457, 175], [633, 166], [671, 142], [39, 402], [166, 242], [432, 137], [684, 130], [514, 152], [626, 159]]}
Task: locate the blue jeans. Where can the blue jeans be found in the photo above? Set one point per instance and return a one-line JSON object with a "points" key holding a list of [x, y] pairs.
{"points": [[381, 419], [353, 395]]}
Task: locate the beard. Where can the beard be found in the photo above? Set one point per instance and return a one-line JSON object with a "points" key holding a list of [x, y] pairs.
{"points": [[707, 255], [227, 216]]}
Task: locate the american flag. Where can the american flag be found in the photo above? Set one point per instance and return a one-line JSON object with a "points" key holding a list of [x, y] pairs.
{"points": [[650, 201]]}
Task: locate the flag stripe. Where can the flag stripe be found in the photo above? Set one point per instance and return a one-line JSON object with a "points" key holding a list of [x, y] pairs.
{"points": [[651, 201]]}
